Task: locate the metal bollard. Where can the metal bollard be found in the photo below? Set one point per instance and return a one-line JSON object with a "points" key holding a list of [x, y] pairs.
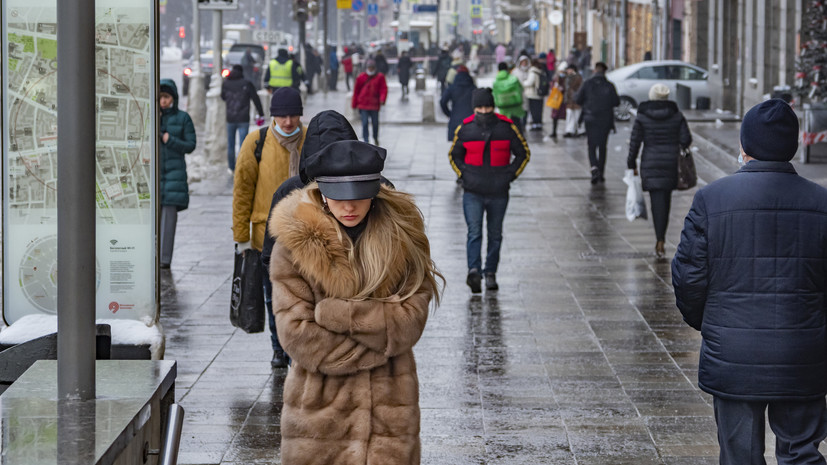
{"points": [[172, 438]]}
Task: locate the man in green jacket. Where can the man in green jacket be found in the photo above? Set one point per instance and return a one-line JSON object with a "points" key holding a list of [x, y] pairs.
{"points": [[508, 96]]}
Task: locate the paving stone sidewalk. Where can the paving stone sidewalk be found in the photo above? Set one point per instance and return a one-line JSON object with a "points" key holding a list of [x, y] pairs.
{"points": [[580, 358]]}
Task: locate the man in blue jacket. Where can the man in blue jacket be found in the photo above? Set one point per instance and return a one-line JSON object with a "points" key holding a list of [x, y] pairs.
{"points": [[750, 273]]}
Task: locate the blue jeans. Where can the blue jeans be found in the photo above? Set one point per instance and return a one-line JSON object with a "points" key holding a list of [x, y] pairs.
{"points": [[475, 206], [374, 118], [232, 128]]}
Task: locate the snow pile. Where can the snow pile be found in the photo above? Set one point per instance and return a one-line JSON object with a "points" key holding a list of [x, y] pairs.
{"points": [[124, 332], [171, 54]]}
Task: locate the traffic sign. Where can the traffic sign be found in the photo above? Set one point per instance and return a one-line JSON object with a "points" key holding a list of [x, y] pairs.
{"points": [[555, 17], [397, 1], [373, 21], [218, 4], [343, 4], [373, 9], [534, 25], [358, 5], [425, 9]]}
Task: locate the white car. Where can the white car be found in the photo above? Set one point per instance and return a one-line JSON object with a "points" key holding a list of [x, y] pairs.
{"points": [[634, 81]]}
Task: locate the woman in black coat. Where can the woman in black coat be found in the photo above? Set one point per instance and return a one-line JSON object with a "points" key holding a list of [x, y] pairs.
{"points": [[404, 68], [663, 131], [458, 95]]}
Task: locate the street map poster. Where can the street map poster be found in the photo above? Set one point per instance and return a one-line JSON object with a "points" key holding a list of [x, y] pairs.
{"points": [[126, 111]]}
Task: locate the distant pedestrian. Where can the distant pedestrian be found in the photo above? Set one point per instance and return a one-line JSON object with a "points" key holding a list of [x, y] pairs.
{"points": [[551, 63], [404, 67], [313, 68], [369, 94], [457, 60], [283, 71], [536, 89], [256, 180], [573, 58], [443, 64], [750, 274], [353, 279], [559, 113], [248, 64], [508, 95], [177, 139], [347, 66], [381, 62], [573, 83], [663, 131], [456, 100], [598, 97], [334, 68], [521, 71], [499, 53], [237, 93], [585, 62], [481, 155]]}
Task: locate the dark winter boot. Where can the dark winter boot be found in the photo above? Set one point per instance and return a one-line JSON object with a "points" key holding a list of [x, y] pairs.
{"points": [[491, 282], [279, 359], [474, 281]]}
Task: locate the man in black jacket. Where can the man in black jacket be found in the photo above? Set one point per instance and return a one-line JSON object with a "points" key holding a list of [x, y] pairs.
{"points": [[481, 157], [598, 97], [750, 273], [237, 93]]}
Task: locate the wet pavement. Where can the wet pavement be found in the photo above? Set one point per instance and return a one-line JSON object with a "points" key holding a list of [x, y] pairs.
{"points": [[580, 358]]}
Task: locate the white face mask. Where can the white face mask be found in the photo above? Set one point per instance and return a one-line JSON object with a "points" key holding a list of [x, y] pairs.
{"points": [[370, 73], [741, 161]]}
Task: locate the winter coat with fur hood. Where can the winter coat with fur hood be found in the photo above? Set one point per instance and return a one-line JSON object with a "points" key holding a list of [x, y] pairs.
{"points": [[351, 396]]}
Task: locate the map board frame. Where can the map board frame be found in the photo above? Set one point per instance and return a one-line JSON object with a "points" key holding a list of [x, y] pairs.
{"points": [[127, 119]]}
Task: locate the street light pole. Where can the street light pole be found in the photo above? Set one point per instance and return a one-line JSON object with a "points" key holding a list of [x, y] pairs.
{"points": [[76, 200], [326, 55]]}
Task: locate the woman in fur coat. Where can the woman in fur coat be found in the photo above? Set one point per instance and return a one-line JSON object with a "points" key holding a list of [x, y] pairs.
{"points": [[352, 281]]}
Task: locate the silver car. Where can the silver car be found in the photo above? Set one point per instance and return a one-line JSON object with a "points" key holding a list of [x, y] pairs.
{"points": [[634, 81]]}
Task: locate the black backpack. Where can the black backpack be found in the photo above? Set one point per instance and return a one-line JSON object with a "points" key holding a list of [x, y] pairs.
{"points": [[543, 86], [260, 142]]}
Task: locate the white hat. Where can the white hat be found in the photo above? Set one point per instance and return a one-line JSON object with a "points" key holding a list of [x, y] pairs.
{"points": [[659, 92]]}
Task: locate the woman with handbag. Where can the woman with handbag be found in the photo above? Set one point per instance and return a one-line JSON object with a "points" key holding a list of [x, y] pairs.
{"points": [[352, 282], [663, 131], [558, 113]]}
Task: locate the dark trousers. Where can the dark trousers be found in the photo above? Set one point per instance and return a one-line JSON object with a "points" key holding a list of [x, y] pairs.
{"points": [[169, 219], [232, 129], [597, 136], [661, 204], [476, 206], [334, 78], [799, 427], [271, 319], [535, 106], [348, 77], [373, 116]]}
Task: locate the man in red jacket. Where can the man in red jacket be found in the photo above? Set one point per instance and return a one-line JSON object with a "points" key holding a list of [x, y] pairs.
{"points": [[369, 93]]}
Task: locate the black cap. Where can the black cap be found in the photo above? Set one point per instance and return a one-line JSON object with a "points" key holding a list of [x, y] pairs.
{"points": [[325, 128], [347, 170], [482, 97], [769, 131], [286, 101]]}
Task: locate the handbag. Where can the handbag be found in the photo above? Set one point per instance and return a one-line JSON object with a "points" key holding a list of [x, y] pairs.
{"points": [[247, 298], [687, 175], [555, 98]]}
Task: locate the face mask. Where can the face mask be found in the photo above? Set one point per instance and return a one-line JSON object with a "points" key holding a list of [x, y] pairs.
{"points": [[284, 134], [741, 161], [371, 73], [485, 118], [524, 67]]}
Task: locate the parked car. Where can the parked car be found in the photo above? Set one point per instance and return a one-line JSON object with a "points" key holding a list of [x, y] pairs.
{"points": [[634, 81], [234, 57], [206, 71]]}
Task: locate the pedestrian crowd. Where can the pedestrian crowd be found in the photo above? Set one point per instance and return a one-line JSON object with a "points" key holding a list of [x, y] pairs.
{"points": [[349, 279]]}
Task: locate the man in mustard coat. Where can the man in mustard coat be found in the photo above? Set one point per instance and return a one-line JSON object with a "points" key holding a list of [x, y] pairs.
{"points": [[256, 180]]}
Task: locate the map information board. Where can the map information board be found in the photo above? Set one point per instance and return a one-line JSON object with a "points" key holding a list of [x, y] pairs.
{"points": [[126, 112]]}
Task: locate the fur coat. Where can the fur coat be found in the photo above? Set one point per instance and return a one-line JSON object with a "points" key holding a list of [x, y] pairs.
{"points": [[351, 396]]}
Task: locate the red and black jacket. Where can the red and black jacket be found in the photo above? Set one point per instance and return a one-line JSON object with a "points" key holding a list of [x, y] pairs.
{"points": [[481, 155]]}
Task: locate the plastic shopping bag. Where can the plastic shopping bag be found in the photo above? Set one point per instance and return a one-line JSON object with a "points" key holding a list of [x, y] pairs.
{"points": [[247, 299], [635, 205]]}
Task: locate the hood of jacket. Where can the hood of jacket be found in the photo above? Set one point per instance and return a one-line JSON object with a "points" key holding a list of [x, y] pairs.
{"points": [[502, 75], [320, 249], [235, 74], [325, 128], [658, 109], [464, 80], [168, 86]]}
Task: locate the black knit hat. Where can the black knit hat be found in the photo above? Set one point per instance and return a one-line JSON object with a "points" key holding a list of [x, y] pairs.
{"points": [[286, 101], [347, 170], [482, 97], [769, 131]]}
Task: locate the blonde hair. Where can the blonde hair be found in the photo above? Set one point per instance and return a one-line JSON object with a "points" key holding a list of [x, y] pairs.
{"points": [[395, 230]]}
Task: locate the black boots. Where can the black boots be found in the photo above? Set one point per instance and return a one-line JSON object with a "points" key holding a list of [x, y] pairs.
{"points": [[474, 281], [280, 359], [491, 282]]}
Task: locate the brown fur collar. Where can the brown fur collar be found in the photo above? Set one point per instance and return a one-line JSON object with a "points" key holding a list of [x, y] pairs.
{"points": [[320, 250]]}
